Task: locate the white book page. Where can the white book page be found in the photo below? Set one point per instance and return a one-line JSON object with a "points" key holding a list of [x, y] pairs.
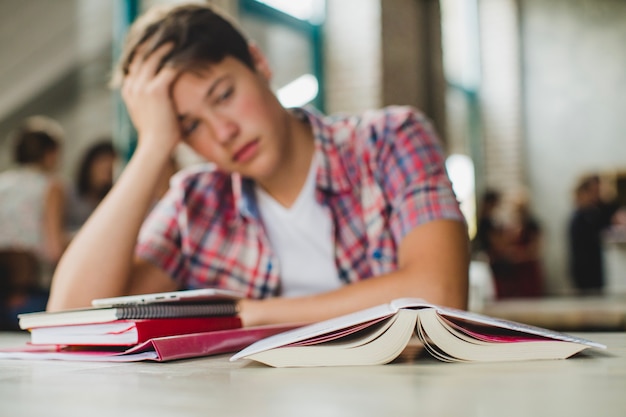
{"points": [[511, 325], [331, 325], [81, 357], [316, 329]]}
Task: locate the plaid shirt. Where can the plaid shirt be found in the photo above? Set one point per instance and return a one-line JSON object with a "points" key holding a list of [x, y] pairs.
{"points": [[381, 174]]}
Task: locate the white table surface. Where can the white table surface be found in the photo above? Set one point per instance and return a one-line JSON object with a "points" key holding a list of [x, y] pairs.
{"points": [[588, 385]]}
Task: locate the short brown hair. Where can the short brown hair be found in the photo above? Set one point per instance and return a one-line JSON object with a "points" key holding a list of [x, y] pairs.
{"points": [[36, 137], [199, 34]]}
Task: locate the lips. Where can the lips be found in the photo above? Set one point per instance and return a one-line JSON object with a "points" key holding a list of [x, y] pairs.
{"points": [[246, 152]]}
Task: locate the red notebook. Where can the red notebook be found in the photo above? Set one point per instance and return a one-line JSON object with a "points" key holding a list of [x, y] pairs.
{"points": [[129, 332], [160, 349]]}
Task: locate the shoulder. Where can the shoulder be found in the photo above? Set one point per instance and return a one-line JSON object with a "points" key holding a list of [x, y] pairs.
{"points": [[394, 117], [380, 121], [372, 130], [387, 121], [393, 127], [201, 184], [26, 180], [377, 141], [401, 127], [198, 176], [57, 186], [398, 135]]}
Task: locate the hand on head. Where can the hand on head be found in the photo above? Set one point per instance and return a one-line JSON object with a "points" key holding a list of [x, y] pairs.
{"points": [[146, 91]]}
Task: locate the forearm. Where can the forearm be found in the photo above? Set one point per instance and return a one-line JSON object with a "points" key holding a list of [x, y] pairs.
{"points": [[99, 259], [433, 265], [364, 294]]}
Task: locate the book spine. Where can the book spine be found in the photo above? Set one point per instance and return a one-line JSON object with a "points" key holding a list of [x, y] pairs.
{"points": [[159, 311], [210, 343]]}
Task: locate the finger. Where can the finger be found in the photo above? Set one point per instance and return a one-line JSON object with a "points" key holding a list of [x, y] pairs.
{"points": [[143, 67], [162, 85], [167, 76], [144, 80], [149, 65], [137, 59]]}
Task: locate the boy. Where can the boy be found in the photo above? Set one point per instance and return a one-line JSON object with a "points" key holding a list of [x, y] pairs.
{"points": [[309, 216]]}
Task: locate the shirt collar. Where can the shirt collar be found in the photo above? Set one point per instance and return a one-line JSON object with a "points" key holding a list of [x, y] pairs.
{"points": [[331, 173], [244, 196]]}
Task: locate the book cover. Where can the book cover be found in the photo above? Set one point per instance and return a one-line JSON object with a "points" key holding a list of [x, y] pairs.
{"points": [[160, 349], [129, 332], [199, 295], [378, 335]]}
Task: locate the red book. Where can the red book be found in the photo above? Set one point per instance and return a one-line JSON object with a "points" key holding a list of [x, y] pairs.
{"points": [[129, 332], [160, 349]]}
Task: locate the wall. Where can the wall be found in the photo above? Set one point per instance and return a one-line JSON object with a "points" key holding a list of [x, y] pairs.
{"points": [[54, 60], [500, 95], [353, 70], [574, 66], [34, 48], [412, 58]]}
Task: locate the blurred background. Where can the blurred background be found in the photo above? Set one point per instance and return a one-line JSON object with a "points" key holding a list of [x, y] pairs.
{"points": [[527, 95]]}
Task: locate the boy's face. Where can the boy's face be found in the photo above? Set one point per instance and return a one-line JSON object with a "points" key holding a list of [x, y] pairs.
{"points": [[230, 116]]}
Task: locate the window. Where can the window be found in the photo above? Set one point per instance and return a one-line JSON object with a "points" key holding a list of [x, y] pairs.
{"points": [[289, 34], [311, 10], [461, 58]]}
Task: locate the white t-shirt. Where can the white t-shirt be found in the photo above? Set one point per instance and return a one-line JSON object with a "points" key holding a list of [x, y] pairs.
{"points": [[22, 198], [301, 237]]}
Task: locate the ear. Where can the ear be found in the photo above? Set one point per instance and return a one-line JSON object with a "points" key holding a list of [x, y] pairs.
{"points": [[260, 62]]}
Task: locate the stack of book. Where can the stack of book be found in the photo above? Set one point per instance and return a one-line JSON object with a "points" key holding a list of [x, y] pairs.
{"points": [[186, 324], [160, 327]]}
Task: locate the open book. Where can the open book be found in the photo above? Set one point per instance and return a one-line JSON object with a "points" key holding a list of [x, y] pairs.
{"points": [[379, 335]]}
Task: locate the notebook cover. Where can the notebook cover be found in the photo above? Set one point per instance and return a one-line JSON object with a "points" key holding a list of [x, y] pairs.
{"points": [[204, 344], [146, 329], [107, 314], [160, 349]]}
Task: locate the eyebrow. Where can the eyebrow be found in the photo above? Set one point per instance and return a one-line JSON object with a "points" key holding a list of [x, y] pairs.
{"points": [[208, 94], [214, 86]]}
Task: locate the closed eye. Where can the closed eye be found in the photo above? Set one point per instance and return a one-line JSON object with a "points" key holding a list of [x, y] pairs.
{"points": [[188, 127], [225, 95]]}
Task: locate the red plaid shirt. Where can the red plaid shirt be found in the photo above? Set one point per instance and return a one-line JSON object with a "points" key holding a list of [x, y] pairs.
{"points": [[381, 174]]}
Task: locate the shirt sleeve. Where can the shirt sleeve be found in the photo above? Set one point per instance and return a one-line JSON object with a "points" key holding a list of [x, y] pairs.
{"points": [[412, 173], [160, 237]]}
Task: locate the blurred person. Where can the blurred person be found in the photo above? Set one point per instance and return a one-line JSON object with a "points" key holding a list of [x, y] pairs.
{"points": [[523, 239], [488, 230], [297, 210], [94, 179], [592, 215], [491, 242], [512, 245], [32, 236]]}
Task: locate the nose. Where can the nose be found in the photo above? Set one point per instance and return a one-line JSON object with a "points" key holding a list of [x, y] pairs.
{"points": [[225, 129]]}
